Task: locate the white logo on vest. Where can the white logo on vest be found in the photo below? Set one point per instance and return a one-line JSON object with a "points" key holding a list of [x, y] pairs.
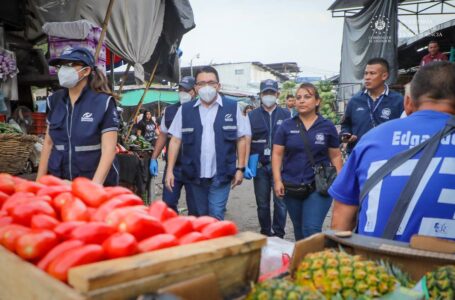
{"points": [[385, 113], [320, 139], [228, 118], [87, 117]]}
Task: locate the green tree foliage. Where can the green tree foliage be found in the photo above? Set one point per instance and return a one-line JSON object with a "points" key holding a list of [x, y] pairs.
{"points": [[288, 87], [328, 107]]}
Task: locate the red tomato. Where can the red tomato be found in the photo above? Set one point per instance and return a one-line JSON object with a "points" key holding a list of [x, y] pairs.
{"points": [[63, 230], [140, 225], [9, 235], [120, 244], [23, 213], [170, 213], [115, 217], [92, 233], [28, 186], [15, 199], [191, 237], [159, 241], [117, 202], [75, 210], [113, 191], [3, 198], [82, 255], [5, 220], [6, 183], [203, 221], [57, 251], [178, 226], [61, 199], [219, 229], [54, 190], [158, 210], [43, 222], [35, 244], [91, 193], [49, 180]]}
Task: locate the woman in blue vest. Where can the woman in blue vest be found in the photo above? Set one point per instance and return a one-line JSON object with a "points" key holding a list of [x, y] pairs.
{"points": [[82, 122], [291, 165]]}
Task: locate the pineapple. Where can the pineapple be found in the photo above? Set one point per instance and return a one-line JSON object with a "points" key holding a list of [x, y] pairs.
{"points": [[338, 274], [441, 283], [280, 289]]}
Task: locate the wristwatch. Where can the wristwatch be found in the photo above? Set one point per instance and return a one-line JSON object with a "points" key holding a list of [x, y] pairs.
{"points": [[241, 169]]}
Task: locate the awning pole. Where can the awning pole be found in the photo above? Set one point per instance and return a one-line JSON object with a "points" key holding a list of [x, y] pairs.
{"points": [[139, 105], [103, 31], [124, 78]]}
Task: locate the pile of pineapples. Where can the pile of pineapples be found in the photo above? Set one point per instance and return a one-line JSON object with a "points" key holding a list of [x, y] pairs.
{"points": [[330, 274]]}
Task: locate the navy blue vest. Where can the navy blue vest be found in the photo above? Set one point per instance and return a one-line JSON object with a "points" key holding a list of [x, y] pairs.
{"points": [[169, 114], [225, 128], [76, 135], [261, 136]]}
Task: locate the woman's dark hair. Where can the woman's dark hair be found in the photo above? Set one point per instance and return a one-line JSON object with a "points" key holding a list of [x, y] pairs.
{"points": [[99, 83], [207, 69], [312, 90]]}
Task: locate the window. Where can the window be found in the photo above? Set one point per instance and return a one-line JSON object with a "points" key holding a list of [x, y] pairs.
{"points": [[239, 71]]}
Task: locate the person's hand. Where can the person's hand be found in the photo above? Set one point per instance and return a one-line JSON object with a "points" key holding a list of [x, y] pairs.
{"points": [[248, 173], [153, 167], [238, 178], [352, 139], [279, 189], [169, 181]]}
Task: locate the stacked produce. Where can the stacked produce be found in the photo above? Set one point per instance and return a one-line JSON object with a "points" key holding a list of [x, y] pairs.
{"points": [[57, 225], [6, 128], [440, 284], [281, 289], [8, 67]]}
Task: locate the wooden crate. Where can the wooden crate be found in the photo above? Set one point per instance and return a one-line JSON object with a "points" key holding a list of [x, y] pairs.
{"points": [[234, 260]]}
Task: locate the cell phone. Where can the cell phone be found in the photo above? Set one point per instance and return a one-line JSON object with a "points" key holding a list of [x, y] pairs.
{"points": [[346, 135]]}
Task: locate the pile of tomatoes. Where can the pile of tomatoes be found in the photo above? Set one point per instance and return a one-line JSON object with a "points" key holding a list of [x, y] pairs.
{"points": [[58, 225]]}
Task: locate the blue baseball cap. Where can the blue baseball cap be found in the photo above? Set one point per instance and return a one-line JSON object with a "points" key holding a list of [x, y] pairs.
{"points": [[269, 85], [76, 54], [187, 83]]}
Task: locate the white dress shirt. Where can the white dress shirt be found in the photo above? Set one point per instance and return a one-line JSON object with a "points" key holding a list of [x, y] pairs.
{"points": [[208, 115]]}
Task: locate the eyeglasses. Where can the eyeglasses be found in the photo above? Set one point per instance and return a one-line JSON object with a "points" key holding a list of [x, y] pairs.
{"points": [[204, 83]]}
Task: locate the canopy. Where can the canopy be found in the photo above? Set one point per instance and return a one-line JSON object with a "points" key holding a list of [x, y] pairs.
{"points": [[132, 98]]}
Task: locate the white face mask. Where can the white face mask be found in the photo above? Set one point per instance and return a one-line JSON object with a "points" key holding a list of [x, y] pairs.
{"points": [[207, 93], [268, 100], [184, 97], [68, 76]]}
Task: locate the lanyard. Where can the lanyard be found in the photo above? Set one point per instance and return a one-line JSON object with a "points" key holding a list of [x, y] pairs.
{"points": [[269, 142], [372, 110]]}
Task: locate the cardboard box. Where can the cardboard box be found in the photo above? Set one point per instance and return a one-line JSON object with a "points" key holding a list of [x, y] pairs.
{"points": [[415, 262], [234, 261]]}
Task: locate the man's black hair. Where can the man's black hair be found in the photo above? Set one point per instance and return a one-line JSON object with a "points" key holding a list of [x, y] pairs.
{"points": [[289, 96], [207, 69], [434, 81], [379, 61], [434, 42]]}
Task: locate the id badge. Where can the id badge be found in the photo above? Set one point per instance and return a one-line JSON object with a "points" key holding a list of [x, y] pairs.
{"points": [[267, 152]]}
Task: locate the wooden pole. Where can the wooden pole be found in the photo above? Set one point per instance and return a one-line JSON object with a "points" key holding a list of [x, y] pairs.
{"points": [[139, 105], [103, 31], [124, 78]]}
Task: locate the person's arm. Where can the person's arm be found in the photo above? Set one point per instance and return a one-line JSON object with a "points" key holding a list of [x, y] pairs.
{"points": [[346, 124], [277, 161], [241, 149], [45, 154], [108, 143], [343, 216], [172, 153], [335, 158]]}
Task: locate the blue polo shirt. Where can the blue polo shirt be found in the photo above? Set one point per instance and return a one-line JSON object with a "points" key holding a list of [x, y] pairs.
{"points": [[362, 113], [432, 209], [297, 167]]}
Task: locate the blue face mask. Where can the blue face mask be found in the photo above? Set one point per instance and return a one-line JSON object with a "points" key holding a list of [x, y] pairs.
{"points": [[68, 76]]}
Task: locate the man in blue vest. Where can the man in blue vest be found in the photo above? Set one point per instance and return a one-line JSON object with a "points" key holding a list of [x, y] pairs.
{"points": [[171, 197], [210, 131], [264, 121]]}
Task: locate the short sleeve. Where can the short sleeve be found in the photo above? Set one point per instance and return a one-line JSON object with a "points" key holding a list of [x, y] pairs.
{"points": [[243, 124], [48, 109], [110, 120], [333, 139], [163, 127], [176, 127], [345, 188], [280, 136]]}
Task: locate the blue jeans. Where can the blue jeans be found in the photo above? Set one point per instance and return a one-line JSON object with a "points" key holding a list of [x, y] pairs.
{"points": [[263, 188], [211, 197], [307, 215]]}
